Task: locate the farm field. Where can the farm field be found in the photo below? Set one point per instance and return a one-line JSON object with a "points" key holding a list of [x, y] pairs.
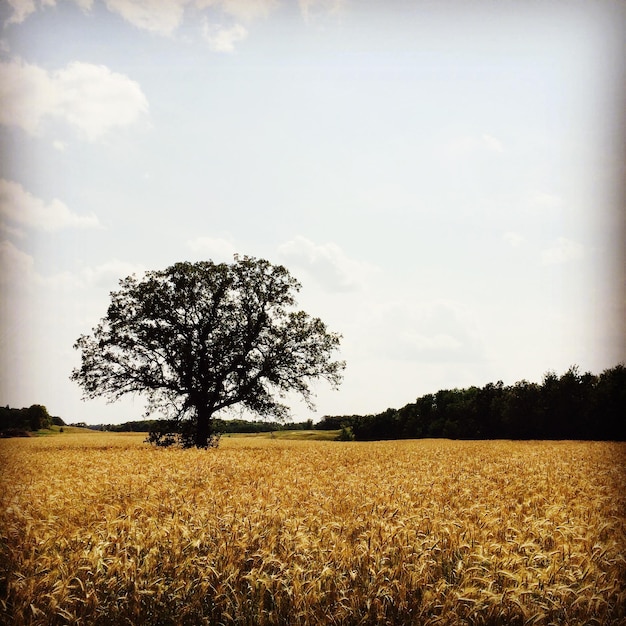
{"points": [[103, 529]]}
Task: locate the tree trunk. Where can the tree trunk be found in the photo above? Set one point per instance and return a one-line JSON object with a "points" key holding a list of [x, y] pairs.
{"points": [[203, 430]]}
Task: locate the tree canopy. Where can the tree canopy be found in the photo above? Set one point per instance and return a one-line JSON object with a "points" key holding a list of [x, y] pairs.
{"points": [[32, 418], [197, 338]]}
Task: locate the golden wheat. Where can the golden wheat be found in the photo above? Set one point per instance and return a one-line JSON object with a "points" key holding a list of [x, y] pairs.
{"points": [[102, 529]]}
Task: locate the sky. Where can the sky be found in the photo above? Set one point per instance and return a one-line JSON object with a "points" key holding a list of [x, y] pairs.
{"points": [[445, 179]]}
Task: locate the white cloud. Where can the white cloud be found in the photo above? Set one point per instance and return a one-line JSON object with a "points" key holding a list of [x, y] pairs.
{"points": [[17, 269], [11, 231], [95, 99], [562, 251], [155, 16], [62, 282], [437, 331], [327, 263], [27, 94], [310, 8], [91, 98], [18, 273], [515, 240], [245, 10], [21, 10], [165, 17], [21, 207], [468, 145], [223, 39], [109, 273], [546, 201], [215, 248], [491, 144]]}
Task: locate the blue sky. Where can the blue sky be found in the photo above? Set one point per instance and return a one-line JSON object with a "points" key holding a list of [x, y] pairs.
{"points": [[445, 179]]}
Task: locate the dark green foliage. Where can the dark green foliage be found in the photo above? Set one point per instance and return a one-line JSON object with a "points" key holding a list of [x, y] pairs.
{"points": [[35, 417], [220, 426], [248, 426], [14, 432], [197, 338], [572, 406], [38, 417], [346, 434], [329, 422], [165, 433], [138, 426]]}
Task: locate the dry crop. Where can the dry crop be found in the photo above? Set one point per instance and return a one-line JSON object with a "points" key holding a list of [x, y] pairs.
{"points": [[101, 529]]}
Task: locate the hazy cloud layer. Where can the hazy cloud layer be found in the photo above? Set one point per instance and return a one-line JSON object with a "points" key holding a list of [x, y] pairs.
{"points": [[223, 21], [546, 201], [245, 10], [310, 8], [563, 250], [23, 209], [468, 146], [20, 281], [156, 16], [90, 98], [18, 273], [21, 10], [327, 263], [223, 39], [16, 267], [437, 332], [213, 248], [515, 240], [109, 273]]}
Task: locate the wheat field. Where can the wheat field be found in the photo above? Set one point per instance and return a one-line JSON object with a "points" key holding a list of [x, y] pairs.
{"points": [[102, 529]]}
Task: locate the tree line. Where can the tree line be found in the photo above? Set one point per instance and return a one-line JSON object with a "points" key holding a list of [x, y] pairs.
{"points": [[16, 422], [221, 426], [571, 406]]}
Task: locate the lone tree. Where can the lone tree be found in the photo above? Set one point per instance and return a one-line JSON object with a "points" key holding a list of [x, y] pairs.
{"points": [[196, 338]]}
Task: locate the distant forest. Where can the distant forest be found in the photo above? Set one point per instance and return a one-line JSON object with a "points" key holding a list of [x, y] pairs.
{"points": [[20, 422], [221, 426], [572, 406]]}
